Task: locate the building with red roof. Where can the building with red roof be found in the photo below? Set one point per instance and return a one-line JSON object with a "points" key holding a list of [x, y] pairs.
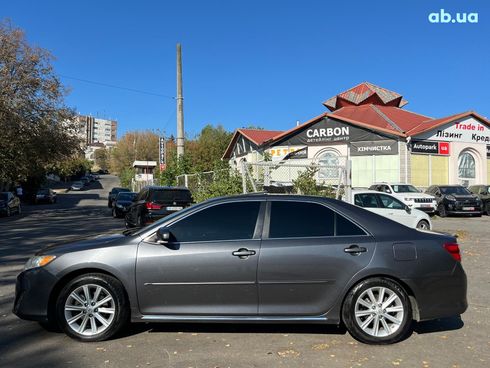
{"points": [[369, 125]]}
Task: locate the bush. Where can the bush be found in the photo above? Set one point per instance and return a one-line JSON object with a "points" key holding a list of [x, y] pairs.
{"points": [[306, 184]]}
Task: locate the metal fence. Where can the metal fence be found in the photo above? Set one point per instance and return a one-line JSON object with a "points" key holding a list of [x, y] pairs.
{"points": [[288, 177], [197, 180]]}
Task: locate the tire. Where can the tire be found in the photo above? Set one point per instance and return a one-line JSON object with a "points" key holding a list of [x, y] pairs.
{"points": [[109, 204], [423, 225], [441, 210], [371, 324], [140, 221], [92, 323], [487, 208]]}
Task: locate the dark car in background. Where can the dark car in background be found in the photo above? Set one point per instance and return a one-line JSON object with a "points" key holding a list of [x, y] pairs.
{"points": [[455, 200], [77, 185], [9, 204], [154, 202], [113, 193], [122, 202], [482, 191], [250, 259], [45, 195]]}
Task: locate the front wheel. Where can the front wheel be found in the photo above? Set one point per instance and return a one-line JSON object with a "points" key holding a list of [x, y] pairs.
{"points": [[423, 225], [92, 307], [441, 209], [377, 311]]}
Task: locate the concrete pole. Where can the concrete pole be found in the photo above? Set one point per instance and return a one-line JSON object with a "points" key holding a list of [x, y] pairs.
{"points": [[180, 104]]}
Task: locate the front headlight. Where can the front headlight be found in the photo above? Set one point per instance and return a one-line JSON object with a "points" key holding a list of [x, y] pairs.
{"points": [[38, 261], [119, 205], [451, 198]]}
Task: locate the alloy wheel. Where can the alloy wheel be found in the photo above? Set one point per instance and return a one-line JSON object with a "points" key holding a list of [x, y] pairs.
{"points": [[379, 311], [89, 310]]}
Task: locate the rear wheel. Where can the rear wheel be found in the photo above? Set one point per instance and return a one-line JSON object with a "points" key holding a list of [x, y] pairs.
{"points": [[423, 225], [377, 311], [487, 208], [92, 307], [441, 209]]}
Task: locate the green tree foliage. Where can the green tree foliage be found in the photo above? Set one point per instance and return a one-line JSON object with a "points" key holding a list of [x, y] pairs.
{"points": [[76, 165], [306, 184], [210, 145], [33, 116], [131, 147], [223, 182], [101, 156], [125, 176]]}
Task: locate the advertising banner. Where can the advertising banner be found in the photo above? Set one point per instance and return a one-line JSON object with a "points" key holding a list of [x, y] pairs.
{"points": [[469, 131], [371, 148], [328, 131]]}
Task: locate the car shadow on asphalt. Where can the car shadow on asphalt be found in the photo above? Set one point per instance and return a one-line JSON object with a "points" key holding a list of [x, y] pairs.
{"points": [[227, 328], [438, 325]]}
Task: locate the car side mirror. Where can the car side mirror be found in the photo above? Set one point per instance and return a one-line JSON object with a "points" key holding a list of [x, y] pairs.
{"points": [[408, 209], [163, 235], [484, 193]]}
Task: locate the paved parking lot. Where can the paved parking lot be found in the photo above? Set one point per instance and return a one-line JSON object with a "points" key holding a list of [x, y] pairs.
{"points": [[449, 342]]}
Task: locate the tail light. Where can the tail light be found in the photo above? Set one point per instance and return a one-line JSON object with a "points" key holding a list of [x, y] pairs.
{"points": [[453, 249], [153, 206]]}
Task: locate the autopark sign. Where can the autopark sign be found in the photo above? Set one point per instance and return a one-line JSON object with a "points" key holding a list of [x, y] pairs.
{"points": [[435, 148]]}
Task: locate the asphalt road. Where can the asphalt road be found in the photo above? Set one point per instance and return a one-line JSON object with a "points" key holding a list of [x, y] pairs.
{"points": [[449, 342]]}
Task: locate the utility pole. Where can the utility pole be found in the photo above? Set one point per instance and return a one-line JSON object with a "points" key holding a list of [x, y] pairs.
{"points": [[180, 104]]}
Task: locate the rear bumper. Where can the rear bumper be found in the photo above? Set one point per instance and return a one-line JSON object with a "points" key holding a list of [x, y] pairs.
{"points": [[441, 297], [32, 290]]}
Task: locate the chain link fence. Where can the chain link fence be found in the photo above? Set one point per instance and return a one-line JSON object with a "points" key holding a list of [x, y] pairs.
{"points": [[305, 177]]}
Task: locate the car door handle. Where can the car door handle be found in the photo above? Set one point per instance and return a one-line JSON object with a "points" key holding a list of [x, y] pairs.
{"points": [[355, 250], [243, 253]]}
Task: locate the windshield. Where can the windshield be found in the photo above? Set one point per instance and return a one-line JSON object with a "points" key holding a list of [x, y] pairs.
{"points": [[78, 183], [171, 195], [125, 196], [404, 189], [43, 191], [455, 190]]}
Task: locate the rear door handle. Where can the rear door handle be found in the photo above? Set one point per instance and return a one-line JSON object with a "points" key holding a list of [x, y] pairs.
{"points": [[243, 253], [355, 250]]}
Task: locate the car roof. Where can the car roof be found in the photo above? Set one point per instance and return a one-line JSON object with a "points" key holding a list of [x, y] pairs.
{"points": [[157, 187]]}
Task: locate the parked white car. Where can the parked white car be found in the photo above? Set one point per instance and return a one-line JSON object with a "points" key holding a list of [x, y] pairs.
{"points": [[389, 206], [409, 195]]}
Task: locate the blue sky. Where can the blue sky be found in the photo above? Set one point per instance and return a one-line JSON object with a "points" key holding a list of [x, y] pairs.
{"points": [[267, 63]]}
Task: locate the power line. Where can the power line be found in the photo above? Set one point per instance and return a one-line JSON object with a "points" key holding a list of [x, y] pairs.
{"points": [[117, 87]]}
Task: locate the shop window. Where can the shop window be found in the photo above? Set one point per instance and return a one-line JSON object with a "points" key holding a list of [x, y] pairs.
{"points": [[466, 166], [330, 159]]}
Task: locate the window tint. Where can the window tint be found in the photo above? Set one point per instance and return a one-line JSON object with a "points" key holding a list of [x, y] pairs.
{"points": [[366, 200], [170, 195], [298, 219], [346, 227], [390, 202], [226, 221]]}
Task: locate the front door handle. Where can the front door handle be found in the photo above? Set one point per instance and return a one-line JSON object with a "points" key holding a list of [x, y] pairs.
{"points": [[243, 253], [355, 250]]}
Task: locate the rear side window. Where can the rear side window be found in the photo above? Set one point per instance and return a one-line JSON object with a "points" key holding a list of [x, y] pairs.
{"points": [[227, 221], [299, 219], [390, 202], [171, 195]]}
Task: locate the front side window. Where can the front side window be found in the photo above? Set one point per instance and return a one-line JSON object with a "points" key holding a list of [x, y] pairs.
{"points": [[227, 221], [405, 189], [390, 202], [466, 166]]}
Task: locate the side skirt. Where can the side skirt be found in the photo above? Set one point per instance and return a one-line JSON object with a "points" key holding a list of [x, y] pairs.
{"points": [[235, 319]]}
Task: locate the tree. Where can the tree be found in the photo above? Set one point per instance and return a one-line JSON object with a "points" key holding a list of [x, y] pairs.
{"points": [[33, 116], [211, 143], [101, 156], [134, 146]]}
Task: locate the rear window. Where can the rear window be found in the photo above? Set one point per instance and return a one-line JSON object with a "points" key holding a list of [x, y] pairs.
{"points": [[171, 195]]}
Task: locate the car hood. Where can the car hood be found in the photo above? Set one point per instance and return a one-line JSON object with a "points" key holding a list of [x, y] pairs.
{"points": [[124, 203], [414, 195], [462, 197], [93, 243]]}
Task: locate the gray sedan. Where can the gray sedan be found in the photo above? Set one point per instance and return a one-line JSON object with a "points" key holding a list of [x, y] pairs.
{"points": [[251, 258]]}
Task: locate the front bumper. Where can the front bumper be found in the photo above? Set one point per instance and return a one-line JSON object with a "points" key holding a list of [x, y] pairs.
{"points": [[32, 291]]}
